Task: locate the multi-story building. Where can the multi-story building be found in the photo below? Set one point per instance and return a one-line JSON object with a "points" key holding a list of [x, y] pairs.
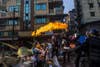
{"points": [[73, 23], [41, 12], [9, 20], [88, 13], [2, 4], [24, 16]]}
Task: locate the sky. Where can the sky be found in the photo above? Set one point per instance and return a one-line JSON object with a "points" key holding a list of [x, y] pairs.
{"points": [[69, 5]]}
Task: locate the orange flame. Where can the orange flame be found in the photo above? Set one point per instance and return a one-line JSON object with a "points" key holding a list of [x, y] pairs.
{"points": [[49, 27]]}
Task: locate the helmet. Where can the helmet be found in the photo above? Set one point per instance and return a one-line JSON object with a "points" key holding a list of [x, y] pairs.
{"points": [[94, 32]]}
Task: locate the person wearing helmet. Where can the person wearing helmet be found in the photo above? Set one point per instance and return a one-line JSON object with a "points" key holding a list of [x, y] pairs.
{"points": [[92, 47], [93, 44]]}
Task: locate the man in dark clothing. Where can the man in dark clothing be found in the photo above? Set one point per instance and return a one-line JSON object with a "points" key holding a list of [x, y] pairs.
{"points": [[92, 48], [55, 46]]}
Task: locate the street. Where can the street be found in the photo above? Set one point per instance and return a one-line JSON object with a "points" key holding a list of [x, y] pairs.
{"points": [[49, 33]]}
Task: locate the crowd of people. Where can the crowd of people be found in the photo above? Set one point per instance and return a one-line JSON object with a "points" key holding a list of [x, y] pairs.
{"points": [[64, 46], [48, 52], [58, 50]]}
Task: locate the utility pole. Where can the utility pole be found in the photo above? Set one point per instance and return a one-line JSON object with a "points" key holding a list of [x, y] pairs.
{"points": [[13, 32]]}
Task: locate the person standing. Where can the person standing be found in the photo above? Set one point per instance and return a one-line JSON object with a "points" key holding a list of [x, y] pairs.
{"points": [[49, 50], [92, 48]]}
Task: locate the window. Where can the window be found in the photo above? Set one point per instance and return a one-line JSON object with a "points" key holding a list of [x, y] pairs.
{"points": [[27, 2], [26, 14], [12, 33], [11, 8], [40, 6], [27, 10], [92, 14], [40, 20], [91, 5], [17, 1], [98, 0], [3, 14], [17, 8], [26, 18], [4, 1], [35, 0], [99, 4], [10, 22], [90, 1], [1, 33]]}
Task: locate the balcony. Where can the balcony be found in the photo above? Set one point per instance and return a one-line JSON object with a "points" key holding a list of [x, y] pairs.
{"points": [[51, 12], [40, 1], [56, 11], [9, 15], [7, 35], [2, 6], [8, 28], [55, 0], [25, 34]]}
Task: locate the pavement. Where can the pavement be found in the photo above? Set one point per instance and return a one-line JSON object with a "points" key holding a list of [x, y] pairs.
{"points": [[67, 63], [10, 60]]}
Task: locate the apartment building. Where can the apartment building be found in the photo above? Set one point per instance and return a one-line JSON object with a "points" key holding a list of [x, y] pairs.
{"points": [[21, 17], [73, 24], [40, 12], [88, 13]]}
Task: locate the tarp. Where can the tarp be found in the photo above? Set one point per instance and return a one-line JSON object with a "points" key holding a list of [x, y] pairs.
{"points": [[23, 51], [50, 27]]}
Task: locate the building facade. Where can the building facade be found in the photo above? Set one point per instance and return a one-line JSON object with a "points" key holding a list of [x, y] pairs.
{"points": [[37, 12], [21, 17], [73, 24], [88, 12], [9, 20]]}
